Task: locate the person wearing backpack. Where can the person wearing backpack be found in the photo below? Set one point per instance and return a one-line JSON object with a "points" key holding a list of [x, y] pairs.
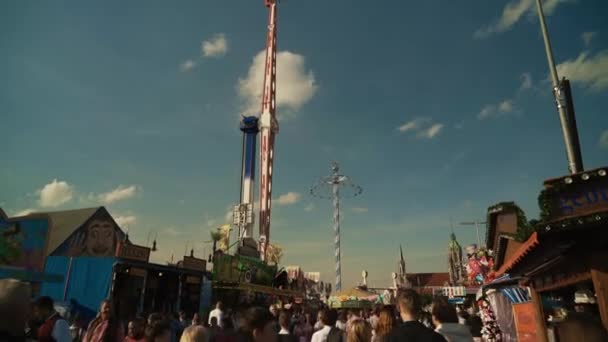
{"points": [[54, 328]]}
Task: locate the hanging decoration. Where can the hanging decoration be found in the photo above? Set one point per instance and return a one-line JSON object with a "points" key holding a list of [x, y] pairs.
{"points": [[490, 330]]}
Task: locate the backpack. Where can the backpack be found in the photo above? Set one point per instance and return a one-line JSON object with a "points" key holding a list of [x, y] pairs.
{"points": [[335, 335]]}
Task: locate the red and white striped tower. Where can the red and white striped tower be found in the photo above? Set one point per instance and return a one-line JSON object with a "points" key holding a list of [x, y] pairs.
{"points": [[269, 127]]}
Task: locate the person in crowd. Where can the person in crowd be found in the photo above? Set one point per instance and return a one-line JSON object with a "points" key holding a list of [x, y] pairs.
{"points": [[410, 329], [318, 324], [158, 331], [54, 327], [342, 319], [386, 323], [329, 333], [14, 309], [580, 327], [359, 331], [196, 319], [183, 319], [214, 328], [218, 313], [105, 327], [374, 317], [257, 325], [445, 319], [135, 330], [303, 329], [285, 334], [154, 317], [176, 327], [195, 333], [227, 333], [473, 321]]}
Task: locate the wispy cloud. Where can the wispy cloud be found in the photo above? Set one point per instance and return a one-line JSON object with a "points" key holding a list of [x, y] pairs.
{"points": [[587, 70], [496, 110], [217, 46], [422, 127], [288, 198], [604, 139], [310, 207], [526, 81], [513, 12], [297, 83], [55, 194], [25, 212], [126, 221], [587, 37], [359, 210], [172, 231], [119, 194], [187, 65]]}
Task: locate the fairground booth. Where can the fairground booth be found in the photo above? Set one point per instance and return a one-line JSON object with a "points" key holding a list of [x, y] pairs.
{"points": [[81, 257], [561, 267]]}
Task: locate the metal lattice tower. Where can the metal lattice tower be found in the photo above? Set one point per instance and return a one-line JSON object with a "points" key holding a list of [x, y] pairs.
{"points": [[329, 187]]}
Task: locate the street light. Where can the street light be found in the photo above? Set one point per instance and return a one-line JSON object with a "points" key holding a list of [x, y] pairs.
{"points": [[476, 224]]}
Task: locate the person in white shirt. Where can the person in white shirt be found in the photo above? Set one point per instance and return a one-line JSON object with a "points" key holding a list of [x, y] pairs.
{"points": [[328, 319], [218, 313]]}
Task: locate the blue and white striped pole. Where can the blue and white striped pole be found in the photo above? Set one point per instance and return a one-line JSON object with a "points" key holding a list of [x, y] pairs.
{"points": [[336, 194]]}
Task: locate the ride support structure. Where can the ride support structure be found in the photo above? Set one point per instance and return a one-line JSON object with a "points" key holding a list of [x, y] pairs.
{"points": [[268, 127]]}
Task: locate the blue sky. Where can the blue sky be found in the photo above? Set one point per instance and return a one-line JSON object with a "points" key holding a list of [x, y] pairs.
{"points": [[437, 109]]}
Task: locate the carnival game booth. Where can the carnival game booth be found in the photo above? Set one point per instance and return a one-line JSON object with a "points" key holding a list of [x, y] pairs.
{"points": [[240, 281], [355, 298]]}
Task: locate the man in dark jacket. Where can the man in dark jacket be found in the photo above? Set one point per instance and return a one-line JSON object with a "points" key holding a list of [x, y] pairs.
{"points": [[411, 330]]}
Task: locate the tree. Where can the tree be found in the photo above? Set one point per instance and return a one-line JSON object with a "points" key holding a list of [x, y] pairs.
{"points": [[275, 253], [215, 237]]}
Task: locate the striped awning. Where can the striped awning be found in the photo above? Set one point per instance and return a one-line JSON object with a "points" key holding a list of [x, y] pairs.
{"points": [[516, 294]]}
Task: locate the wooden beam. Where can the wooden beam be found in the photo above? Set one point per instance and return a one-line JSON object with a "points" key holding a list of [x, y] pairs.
{"points": [[563, 282], [540, 316]]}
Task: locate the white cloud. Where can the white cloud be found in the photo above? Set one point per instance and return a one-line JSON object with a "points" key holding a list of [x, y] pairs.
{"points": [[604, 139], [172, 231], [526, 81], [295, 84], [217, 46], [513, 12], [496, 110], [360, 210], [55, 194], [430, 132], [125, 221], [187, 65], [589, 71], [118, 194], [423, 127], [25, 212], [587, 37], [310, 207], [288, 198], [459, 125]]}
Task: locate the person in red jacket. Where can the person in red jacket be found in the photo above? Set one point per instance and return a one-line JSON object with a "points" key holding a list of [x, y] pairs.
{"points": [[54, 328]]}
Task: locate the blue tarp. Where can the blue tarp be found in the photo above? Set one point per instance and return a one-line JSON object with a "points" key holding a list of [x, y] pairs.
{"points": [[89, 280]]}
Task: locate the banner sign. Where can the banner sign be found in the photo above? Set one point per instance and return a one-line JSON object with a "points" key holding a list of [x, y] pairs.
{"points": [[236, 269], [133, 252], [195, 264], [561, 200]]}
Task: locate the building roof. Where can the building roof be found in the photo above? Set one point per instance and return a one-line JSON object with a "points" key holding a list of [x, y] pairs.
{"points": [[3, 214], [428, 279]]}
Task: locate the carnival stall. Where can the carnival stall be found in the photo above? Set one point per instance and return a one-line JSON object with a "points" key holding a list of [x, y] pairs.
{"points": [[355, 298]]}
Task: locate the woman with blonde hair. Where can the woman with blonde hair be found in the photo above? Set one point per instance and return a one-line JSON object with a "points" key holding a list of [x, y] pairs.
{"points": [[359, 330], [195, 333], [386, 323]]}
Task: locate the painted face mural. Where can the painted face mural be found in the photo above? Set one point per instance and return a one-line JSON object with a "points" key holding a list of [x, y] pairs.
{"points": [[101, 238]]}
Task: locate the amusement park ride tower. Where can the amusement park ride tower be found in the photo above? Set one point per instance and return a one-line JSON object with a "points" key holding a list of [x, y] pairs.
{"points": [[268, 127]]}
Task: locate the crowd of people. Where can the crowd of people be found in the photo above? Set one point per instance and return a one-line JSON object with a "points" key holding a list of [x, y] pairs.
{"points": [[22, 320]]}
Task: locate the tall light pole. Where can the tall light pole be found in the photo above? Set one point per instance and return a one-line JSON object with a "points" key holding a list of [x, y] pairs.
{"points": [[563, 99], [476, 224]]}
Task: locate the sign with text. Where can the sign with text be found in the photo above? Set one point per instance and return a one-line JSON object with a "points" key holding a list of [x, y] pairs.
{"points": [[577, 199], [193, 263], [133, 252], [525, 322]]}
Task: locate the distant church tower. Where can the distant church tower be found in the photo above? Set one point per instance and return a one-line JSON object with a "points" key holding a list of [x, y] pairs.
{"points": [[402, 274], [455, 261]]}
